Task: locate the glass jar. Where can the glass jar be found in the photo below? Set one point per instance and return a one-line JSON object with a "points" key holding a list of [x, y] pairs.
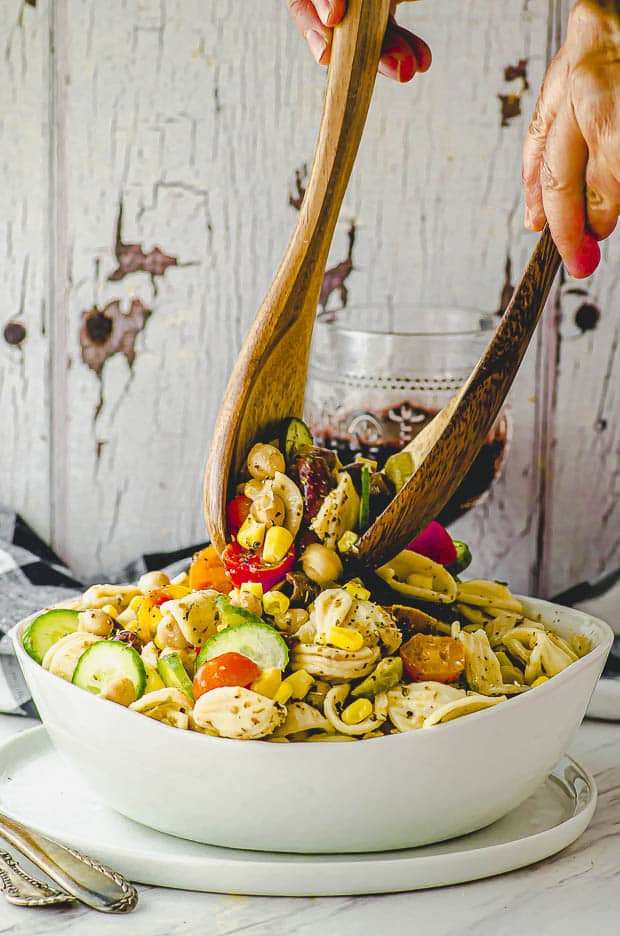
{"points": [[379, 373]]}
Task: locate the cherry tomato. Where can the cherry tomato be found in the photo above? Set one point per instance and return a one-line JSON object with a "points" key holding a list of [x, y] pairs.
{"points": [[207, 571], [438, 659], [227, 669], [244, 565], [435, 543], [237, 512]]}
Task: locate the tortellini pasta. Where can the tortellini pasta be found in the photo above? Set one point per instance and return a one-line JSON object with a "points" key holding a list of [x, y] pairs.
{"points": [[419, 577]]}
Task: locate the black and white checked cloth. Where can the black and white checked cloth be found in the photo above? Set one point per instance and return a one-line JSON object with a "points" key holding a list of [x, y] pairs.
{"points": [[33, 577]]}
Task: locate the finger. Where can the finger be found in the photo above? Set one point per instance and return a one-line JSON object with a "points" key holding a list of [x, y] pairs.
{"points": [[317, 35], [562, 177], [547, 106], [398, 60], [421, 50], [602, 200], [330, 11]]}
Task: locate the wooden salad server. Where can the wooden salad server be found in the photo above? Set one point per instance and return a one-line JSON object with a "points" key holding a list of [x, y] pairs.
{"points": [[269, 377], [444, 451]]}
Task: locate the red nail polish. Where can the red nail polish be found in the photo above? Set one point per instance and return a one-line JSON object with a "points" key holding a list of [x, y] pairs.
{"points": [[586, 258]]}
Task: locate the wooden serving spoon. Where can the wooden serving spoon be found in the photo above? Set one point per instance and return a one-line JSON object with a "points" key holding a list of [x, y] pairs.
{"points": [[269, 377], [445, 449]]}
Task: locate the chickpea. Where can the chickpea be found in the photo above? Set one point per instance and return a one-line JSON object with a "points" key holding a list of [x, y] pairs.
{"points": [[291, 620], [95, 622], [169, 634], [321, 564], [246, 600], [152, 580], [264, 460], [268, 508], [120, 690]]}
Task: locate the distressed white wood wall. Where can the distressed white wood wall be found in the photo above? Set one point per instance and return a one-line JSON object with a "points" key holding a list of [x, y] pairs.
{"points": [[187, 120]]}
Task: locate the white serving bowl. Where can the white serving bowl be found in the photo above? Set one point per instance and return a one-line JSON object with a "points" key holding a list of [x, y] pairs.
{"points": [[397, 791]]}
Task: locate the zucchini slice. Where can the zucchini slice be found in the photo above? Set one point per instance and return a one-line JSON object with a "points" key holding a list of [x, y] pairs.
{"points": [[107, 660], [47, 629], [293, 435]]}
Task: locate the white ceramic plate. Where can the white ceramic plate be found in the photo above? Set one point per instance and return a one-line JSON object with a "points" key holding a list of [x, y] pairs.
{"points": [[38, 788]]}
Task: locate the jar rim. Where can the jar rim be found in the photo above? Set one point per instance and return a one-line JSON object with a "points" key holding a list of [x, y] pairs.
{"points": [[474, 321]]}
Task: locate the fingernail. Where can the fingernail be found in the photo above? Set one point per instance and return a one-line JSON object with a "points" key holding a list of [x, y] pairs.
{"points": [[586, 258], [390, 67], [527, 218], [325, 9], [317, 44]]}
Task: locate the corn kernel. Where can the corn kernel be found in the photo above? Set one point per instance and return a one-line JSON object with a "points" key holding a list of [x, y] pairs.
{"points": [[357, 590], [251, 534], [284, 693], [345, 638], [268, 683], [275, 602], [253, 588], [111, 610], [357, 712], [278, 541], [347, 541], [135, 603], [539, 681]]}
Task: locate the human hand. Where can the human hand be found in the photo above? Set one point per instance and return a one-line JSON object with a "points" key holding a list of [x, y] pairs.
{"points": [[403, 54], [571, 156]]}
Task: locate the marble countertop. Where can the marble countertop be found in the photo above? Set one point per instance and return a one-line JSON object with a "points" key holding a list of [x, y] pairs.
{"points": [[572, 894]]}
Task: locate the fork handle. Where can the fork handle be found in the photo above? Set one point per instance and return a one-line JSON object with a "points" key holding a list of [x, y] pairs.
{"points": [[81, 877], [22, 890]]}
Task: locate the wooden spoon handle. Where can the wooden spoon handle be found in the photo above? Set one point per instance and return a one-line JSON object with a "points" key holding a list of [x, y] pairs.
{"points": [[268, 380], [445, 450]]}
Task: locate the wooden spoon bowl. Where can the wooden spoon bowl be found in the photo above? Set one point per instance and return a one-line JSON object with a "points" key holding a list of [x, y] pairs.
{"points": [[269, 378]]}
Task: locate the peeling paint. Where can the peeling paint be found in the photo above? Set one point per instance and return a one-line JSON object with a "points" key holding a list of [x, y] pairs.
{"points": [[14, 334], [108, 331], [301, 178], [334, 278], [511, 102], [132, 258], [511, 107], [513, 72], [507, 287]]}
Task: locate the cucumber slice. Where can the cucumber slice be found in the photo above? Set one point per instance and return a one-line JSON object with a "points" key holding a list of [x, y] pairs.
{"points": [[259, 642], [364, 517], [47, 629], [293, 435], [107, 660], [173, 673]]}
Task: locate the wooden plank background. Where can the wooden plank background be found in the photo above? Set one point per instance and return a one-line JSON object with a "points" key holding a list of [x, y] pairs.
{"points": [[179, 125]]}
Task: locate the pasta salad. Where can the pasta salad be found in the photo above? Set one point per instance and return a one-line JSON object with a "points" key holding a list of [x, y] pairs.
{"points": [[283, 639]]}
